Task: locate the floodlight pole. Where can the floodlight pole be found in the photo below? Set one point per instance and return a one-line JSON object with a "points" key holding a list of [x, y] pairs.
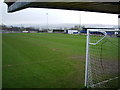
{"points": [[47, 20], [87, 58], [80, 20]]}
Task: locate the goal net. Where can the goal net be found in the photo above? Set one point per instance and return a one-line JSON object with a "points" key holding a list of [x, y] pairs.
{"points": [[102, 58]]}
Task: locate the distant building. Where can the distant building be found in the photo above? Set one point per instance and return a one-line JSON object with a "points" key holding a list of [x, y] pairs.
{"points": [[50, 31], [56, 31], [83, 32], [113, 33], [72, 32], [33, 31], [25, 31]]}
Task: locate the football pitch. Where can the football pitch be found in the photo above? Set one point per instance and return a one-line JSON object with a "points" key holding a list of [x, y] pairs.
{"points": [[43, 60]]}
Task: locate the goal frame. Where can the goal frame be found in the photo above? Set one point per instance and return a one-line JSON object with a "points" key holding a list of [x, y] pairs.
{"points": [[87, 52]]}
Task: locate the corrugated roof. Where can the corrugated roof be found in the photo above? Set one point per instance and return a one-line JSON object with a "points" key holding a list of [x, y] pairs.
{"points": [[104, 7]]}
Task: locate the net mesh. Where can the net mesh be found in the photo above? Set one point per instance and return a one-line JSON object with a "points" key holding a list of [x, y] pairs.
{"points": [[103, 59]]}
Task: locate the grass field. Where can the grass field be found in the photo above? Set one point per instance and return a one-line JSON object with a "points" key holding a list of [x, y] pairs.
{"points": [[47, 60], [42, 60]]}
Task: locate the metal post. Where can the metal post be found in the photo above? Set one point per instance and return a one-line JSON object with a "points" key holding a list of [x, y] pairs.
{"points": [[47, 20], [80, 20], [87, 56]]}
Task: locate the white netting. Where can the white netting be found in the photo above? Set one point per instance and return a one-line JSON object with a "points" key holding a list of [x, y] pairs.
{"points": [[102, 67]]}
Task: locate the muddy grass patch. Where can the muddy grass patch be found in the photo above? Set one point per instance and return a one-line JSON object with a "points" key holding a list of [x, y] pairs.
{"points": [[55, 49], [77, 57]]}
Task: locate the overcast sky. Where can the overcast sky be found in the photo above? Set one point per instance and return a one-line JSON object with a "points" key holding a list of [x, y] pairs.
{"points": [[55, 16]]}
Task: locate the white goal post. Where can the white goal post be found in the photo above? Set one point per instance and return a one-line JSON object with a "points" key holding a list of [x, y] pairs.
{"points": [[101, 69]]}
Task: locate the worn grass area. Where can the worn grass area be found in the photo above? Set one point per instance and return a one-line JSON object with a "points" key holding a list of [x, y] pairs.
{"points": [[43, 60]]}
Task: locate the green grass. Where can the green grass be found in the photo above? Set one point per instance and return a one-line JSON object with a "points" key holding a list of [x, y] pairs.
{"points": [[43, 60], [47, 60]]}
